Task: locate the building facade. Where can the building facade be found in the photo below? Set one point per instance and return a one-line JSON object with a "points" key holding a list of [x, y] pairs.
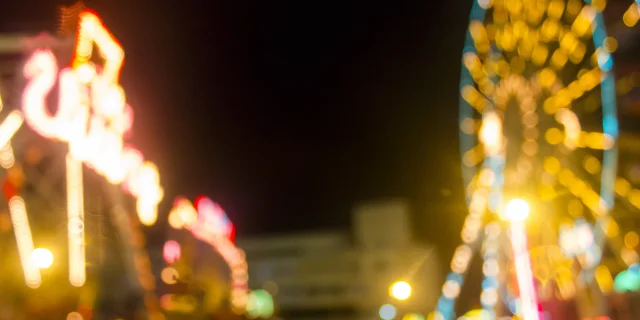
{"points": [[346, 275]]}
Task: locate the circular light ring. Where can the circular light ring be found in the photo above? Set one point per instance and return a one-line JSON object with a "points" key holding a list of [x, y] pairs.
{"points": [[496, 164]]}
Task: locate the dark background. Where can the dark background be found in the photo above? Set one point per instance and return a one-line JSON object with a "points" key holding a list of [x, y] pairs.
{"points": [[286, 113]]}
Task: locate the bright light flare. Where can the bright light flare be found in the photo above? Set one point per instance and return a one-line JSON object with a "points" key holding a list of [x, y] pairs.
{"points": [[169, 275], [491, 133], [516, 210], [400, 290], [18, 212], [42, 258]]}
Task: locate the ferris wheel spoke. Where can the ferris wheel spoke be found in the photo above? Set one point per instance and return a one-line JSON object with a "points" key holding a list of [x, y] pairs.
{"points": [[475, 98], [586, 82]]}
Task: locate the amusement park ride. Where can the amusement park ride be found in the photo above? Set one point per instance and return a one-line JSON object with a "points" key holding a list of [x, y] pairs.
{"points": [[539, 136], [93, 120], [538, 122]]}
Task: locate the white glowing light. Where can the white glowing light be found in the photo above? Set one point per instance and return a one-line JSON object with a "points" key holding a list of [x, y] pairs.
{"points": [[401, 290], [24, 241], [491, 133], [516, 210], [75, 222]]}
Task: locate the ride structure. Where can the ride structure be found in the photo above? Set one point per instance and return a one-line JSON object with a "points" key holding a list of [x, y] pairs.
{"points": [[538, 121]]}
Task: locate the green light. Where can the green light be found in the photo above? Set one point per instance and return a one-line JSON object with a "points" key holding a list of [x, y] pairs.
{"points": [[627, 281], [259, 304]]}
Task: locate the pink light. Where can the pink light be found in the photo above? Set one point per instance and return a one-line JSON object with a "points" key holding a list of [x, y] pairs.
{"points": [[528, 295], [213, 219], [92, 113], [214, 228], [41, 69], [171, 251]]}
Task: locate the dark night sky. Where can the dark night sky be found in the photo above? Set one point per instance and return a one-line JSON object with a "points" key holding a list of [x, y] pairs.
{"points": [[288, 112]]}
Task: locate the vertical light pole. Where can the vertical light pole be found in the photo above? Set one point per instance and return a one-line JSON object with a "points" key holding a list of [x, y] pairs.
{"points": [[516, 211]]}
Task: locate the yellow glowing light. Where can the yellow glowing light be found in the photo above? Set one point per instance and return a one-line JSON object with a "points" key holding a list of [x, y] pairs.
{"points": [[552, 165], [555, 9], [592, 165], [559, 59], [554, 136], [634, 197], [516, 210], [400, 290], [547, 77], [604, 279], [632, 15], [622, 187], [413, 316], [631, 239], [169, 275], [540, 53], [584, 21], [42, 258]]}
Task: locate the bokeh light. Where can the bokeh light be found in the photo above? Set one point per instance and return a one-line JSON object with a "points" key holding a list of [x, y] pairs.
{"points": [[387, 312], [42, 258], [400, 290]]}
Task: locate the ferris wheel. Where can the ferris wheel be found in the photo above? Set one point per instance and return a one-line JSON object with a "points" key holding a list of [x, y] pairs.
{"points": [[537, 121], [67, 186]]}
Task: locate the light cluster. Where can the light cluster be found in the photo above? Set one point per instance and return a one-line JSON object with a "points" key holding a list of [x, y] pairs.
{"points": [[521, 53], [92, 114], [207, 222]]}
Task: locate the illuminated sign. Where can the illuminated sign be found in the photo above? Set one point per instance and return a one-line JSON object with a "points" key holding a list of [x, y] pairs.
{"points": [[92, 115], [212, 218]]}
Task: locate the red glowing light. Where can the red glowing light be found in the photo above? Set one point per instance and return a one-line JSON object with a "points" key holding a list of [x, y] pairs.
{"points": [[213, 219]]}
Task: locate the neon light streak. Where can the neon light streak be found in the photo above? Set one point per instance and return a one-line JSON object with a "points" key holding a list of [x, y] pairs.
{"points": [[75, 222], [24, 240], [528, 295]]}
